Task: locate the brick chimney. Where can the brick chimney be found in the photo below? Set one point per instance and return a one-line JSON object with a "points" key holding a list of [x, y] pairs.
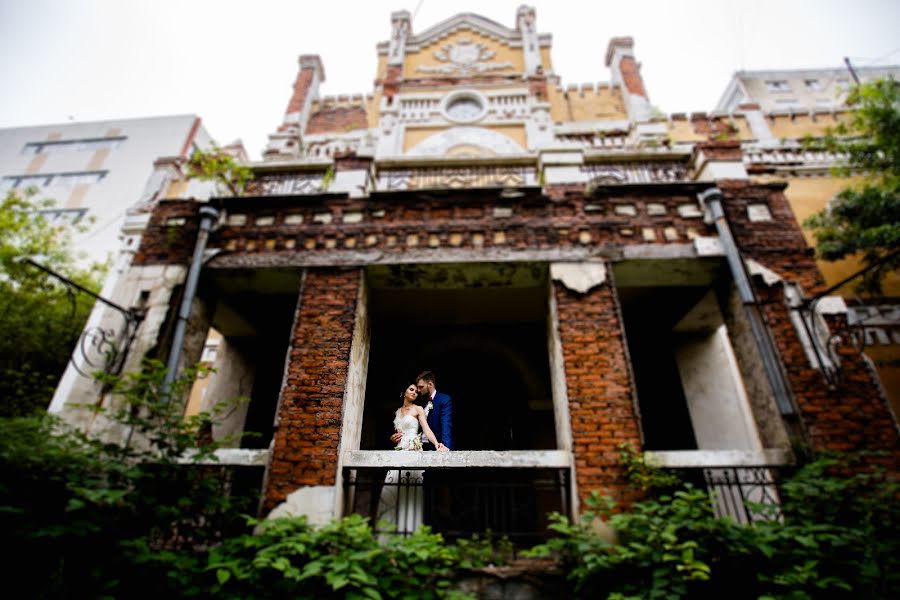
{"points": [[626, 72], [285, 142]]}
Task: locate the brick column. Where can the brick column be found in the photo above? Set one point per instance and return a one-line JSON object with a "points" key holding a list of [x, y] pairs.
{"points": [[599, 388], [308, 423]]}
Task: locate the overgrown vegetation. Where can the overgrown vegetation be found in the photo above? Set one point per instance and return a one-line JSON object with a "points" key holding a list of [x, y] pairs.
{"points": [[41, 319], [220, 167], [146, 511], [125, 517], [836, 537], [865, 220]]}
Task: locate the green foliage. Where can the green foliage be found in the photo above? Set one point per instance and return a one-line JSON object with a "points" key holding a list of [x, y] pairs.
{"points": [[644, 475], [327, 178], [836, 538], [865, 220], [146, 510], [115, 517], [41, 319], [219, 166], [290, 558]]}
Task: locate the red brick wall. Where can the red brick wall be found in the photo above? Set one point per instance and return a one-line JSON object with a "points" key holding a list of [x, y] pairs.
{"points": [[568, 218], [599, 389], [338, 120], [308, 425], [164, 241], [631, 76], [301, 90]]}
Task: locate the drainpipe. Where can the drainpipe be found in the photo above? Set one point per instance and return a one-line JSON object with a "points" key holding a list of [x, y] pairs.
{"points": [[208, 216], [712, 200]]}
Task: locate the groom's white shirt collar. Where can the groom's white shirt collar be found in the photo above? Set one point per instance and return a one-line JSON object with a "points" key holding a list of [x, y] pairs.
{"points": [[433, 394]]}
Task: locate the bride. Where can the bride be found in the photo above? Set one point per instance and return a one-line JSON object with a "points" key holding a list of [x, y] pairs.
{"points": [[402, 497]]}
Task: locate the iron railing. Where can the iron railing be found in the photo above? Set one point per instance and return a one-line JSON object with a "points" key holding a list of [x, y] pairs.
{"points": [[745, 494], [459, 502]]}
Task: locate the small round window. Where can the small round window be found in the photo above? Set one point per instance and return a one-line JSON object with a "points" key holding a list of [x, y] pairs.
{"points": [[464, 107]]}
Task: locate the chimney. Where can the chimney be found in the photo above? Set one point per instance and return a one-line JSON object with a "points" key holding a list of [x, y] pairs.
{"points": [[627, 74], [285, 142], [306, 89]]}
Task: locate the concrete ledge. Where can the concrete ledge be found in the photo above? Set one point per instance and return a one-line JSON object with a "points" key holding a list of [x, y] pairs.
{"points": [[237, 457], [462, 458], [719, 458]]}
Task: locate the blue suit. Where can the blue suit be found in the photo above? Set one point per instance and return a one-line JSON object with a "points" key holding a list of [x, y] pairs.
{"points": [[440, 420]]}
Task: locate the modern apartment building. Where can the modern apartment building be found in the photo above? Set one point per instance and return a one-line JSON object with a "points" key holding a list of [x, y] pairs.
{"points": [[797, 89], [95, 171]]}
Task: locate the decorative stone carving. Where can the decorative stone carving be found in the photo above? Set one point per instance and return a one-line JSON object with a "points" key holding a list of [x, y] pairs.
{"points": [[464, 57]]}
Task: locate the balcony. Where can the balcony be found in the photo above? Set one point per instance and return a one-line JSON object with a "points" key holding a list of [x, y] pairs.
{"points": [[459, 493]]}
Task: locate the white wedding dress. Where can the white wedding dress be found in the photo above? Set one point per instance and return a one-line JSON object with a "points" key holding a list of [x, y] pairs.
{"points": [[402, 497]]}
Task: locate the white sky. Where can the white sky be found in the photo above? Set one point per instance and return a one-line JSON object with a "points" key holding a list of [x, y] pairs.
{"points": [[234, 62]]}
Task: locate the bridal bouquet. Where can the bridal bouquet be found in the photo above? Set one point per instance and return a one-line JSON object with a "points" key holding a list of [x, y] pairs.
{"points": [[414, 444]]}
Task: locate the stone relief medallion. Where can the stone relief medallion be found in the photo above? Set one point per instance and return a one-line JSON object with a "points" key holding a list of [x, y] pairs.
{"points": [[464, 57]]}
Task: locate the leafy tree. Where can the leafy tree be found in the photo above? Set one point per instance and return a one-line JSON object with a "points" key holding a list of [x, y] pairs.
{"points": [[866, 219], [40, 319]]}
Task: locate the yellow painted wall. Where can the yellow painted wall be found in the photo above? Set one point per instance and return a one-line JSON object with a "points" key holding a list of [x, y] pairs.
{"points": [[784, 126], [414, 135], [586, 105], [381, 69], [809, 195], [546, 60], [373, 109], [425, 57]]}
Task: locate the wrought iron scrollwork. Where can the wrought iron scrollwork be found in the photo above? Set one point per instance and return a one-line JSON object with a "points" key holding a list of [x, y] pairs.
{"points": [[100, 348]]}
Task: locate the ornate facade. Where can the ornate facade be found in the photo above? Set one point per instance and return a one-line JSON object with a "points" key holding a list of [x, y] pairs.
{"points": [[580, 271]]}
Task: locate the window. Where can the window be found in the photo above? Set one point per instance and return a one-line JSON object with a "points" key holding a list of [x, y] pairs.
{"points": [[63, 216], [80, 145], [813, 85], [787, 102], [12, 182], [464, 107], [778, 85]]}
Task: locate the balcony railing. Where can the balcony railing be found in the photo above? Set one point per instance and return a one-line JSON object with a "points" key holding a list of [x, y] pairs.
{"points": [[744, 494], [743, 485], [456, 177], [459, 502]]}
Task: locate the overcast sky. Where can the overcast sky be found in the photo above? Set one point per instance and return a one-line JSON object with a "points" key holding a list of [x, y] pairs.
{"points": [[233, 62]]}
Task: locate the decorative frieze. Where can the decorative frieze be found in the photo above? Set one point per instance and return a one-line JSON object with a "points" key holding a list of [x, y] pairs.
{"points": [[635, 172], [288, 184], [456, 177]]}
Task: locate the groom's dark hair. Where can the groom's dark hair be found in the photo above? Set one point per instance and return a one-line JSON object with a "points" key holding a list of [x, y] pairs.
{"points": [[426, 375]]}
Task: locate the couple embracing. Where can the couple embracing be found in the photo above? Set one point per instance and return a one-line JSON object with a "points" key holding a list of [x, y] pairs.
{"points": [[402, 501], [435, 418]]}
